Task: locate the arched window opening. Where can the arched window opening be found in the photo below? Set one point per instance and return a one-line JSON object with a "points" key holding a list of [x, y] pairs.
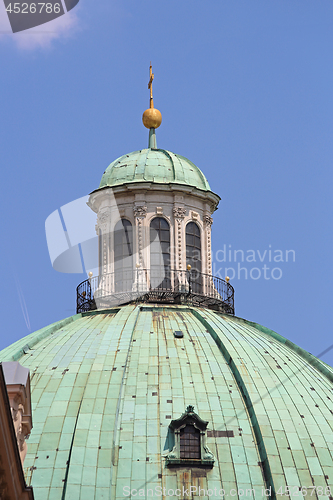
{"points": [[190, 442], [123, 256], [193, 255], [160, 264]]}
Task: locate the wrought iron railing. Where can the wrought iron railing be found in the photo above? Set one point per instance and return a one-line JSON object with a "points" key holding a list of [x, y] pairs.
{"points": [[155, 285]]}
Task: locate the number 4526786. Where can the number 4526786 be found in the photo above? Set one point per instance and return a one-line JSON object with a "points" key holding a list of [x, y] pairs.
{"points": [[24, 8]]}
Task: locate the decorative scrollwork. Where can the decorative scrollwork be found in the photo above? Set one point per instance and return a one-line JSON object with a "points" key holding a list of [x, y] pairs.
{"points": [[103, 217], [140, 211], [208, 220], [179, 212], [190, 409]]}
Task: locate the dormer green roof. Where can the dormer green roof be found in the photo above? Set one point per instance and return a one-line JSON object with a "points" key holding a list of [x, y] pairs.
{"points": [[154, 165]]}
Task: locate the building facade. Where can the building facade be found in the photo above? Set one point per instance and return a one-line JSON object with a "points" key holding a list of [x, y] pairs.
{"points": [[15, 427]]}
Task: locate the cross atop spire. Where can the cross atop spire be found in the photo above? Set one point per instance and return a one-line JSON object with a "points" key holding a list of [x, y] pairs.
{"points": [[150, 85]]}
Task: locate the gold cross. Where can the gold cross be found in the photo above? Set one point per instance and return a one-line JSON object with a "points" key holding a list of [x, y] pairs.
{"points": [[150, 86]]}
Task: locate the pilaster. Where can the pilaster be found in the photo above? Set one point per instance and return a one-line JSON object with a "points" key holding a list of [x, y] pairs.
{"points": [[179, 214], [140, 213], [208, 221]]}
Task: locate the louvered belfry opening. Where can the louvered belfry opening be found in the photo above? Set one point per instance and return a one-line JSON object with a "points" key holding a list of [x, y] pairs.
{"points": [[190, 442]]}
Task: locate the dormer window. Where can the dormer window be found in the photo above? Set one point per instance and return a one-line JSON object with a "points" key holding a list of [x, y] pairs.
{"points": [[190, 442]]}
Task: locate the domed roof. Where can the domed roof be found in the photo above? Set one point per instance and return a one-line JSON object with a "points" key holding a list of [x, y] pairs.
{"points": [[106, 385], [154, 165]]}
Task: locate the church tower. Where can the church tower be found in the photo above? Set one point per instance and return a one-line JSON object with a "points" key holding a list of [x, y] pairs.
{"points": [[155, 389]]}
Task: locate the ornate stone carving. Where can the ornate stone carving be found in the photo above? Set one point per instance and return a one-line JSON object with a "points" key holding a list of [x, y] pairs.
{"points": [[179, 212], [102, 220], [208, 220], [19, 400], [179, 243], [140, 211], [103, 217]]}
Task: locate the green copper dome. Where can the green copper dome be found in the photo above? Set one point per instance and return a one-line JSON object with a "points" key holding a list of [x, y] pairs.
{"points": [[154, 165], [108, 387]]}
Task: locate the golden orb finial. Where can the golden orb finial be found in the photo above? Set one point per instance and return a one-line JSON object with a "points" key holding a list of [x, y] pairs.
{"points": [[152, 117], [227, 279]]}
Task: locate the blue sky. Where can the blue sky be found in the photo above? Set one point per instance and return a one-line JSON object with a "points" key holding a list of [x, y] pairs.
{"points": [[245, 90]]}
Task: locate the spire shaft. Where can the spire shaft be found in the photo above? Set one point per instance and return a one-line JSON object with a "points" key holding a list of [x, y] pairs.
{"points": [[152, 144]]}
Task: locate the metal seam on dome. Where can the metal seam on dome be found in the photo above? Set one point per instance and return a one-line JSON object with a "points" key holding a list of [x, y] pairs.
{"points": [[109, 169], [115, 430], [203, 178], [68, 463], [247, 401], [179, 157], [182, 171], [167, 154], [145, 161]]}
